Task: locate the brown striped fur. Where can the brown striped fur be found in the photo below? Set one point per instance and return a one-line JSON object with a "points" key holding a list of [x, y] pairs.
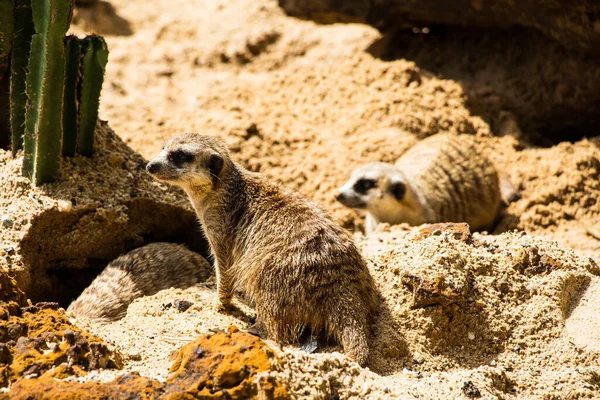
{"points": [[283, 252], [443, 178], [141, 272]]}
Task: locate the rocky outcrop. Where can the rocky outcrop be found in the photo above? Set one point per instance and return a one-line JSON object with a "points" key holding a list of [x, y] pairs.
{"points": [[575, 24], [223, 365]]}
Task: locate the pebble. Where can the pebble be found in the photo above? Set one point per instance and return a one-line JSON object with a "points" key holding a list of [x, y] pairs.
{"points": [[471, 336], [6, 221], [525, 244], [517, 348], [65, 205], [470, 390], [10, 251], [182, 305], [310, 346]]}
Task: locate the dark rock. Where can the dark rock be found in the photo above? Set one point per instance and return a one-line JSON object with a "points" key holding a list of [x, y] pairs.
{"points": [[572, 23], [470, 390], [182, 305]]}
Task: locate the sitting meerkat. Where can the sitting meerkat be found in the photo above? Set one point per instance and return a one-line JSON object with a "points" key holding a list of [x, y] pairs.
{"points": [[443, 178], [283, 252]]}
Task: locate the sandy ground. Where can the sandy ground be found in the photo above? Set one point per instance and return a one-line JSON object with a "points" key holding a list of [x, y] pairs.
{"points": [[299, 102]]}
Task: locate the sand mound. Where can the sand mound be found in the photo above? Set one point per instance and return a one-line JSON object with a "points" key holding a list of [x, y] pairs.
{"points": [[485, 309]]}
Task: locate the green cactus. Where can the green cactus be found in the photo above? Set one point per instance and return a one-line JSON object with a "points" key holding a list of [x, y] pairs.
{"points": [[95, 57], [23, 20], [6, 32], [71, 95], [45, 88]]}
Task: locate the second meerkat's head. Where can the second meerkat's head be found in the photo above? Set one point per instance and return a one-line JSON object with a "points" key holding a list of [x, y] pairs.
{"points": [[377, 187], [192, 161]]}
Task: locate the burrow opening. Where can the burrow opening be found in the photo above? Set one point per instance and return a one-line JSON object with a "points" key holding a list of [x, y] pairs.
{"points": [[64, 252], [518, 80]]}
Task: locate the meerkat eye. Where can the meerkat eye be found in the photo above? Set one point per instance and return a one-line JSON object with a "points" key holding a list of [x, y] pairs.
{"points": [[179, 157], [362, 186]]}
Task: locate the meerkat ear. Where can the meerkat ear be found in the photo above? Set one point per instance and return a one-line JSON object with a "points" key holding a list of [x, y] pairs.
{"points": [[215, 164], [398, 190]]}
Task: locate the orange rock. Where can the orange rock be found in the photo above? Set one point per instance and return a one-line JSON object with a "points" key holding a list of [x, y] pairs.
{"points": [[222, 365], [38, 338], [460, 231], [130, 386]]}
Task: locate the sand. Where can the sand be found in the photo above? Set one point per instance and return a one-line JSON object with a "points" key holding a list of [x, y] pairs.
{"points": [[305, 104]]}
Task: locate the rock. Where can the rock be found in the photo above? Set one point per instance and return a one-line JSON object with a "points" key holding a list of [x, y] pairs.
{"points": [[129, 386], [225, 365], [45, 340], [459, 231], [433, 290], [470, 390], [575, 24], [6, 221], [310, 346], [64, 205], [225, 361], [182, 305]]}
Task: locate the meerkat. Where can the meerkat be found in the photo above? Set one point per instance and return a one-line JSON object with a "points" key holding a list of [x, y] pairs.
{"points": [[284, 253], [443, 178], [141, 272]]}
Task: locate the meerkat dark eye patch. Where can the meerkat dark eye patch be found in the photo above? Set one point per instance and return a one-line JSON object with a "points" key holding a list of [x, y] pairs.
{"points": [[398, 190], [362, 186], [215, 164], [179, 157]]}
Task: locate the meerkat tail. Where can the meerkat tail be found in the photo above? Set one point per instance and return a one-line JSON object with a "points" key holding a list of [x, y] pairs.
{"points": [[353, 338]]}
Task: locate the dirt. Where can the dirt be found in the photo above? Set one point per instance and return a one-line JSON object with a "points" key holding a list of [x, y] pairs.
{"points": [[502, 327], [508, 315]]}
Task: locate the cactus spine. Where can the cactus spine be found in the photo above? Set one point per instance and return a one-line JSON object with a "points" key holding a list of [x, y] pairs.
{"points": [[92, 74], [23, 21]]}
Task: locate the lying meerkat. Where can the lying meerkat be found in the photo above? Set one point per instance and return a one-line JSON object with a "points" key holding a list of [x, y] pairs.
{"points": [[443, 178], [282, 251], [141, 272]]}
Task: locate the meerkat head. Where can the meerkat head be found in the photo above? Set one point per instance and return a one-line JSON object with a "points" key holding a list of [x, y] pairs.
{"points": [[378, 188], [192, 161]]}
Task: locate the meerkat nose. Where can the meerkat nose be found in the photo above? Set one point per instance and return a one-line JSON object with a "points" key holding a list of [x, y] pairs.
{"points": [[340, 196], [152, 167]]}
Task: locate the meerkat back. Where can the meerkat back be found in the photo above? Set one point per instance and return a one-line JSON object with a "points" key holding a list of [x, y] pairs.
{"points": [[453, 180], [141, 272]]}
